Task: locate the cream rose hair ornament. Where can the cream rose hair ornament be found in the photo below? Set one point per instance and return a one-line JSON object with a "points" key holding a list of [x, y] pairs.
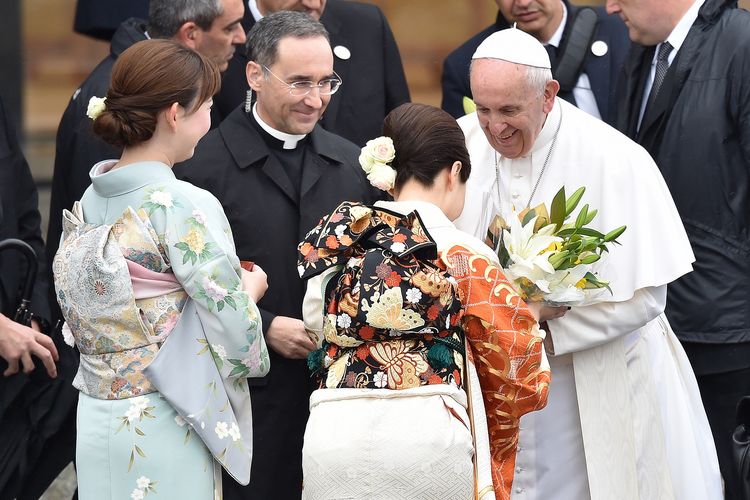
{"points": [[375, 160], [95, 107]]}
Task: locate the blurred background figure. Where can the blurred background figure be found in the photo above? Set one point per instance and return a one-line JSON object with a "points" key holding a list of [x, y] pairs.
{"points": [[37, 404], [100, 20], [586, 46]]}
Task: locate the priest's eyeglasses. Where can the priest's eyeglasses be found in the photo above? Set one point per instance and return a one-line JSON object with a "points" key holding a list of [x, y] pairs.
{"points": [[325, 87]]}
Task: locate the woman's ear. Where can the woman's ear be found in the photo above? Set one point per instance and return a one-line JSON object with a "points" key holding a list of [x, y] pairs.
{"points": [[454, 178], [171, 114]]}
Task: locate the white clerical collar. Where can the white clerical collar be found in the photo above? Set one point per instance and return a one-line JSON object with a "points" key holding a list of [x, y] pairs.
{"points": [[254, 10], [290, 140], [680, 32], [548, 129], [557, 37]]}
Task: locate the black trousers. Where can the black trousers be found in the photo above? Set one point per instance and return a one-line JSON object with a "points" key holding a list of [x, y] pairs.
{"points": [[720, 393]]}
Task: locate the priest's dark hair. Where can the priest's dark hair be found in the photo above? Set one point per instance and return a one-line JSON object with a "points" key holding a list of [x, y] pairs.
{"points": [[263, 39], [427, 140], [165, 17], [147, 78]]}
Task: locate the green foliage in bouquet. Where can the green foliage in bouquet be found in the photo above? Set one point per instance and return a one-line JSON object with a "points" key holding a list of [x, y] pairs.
{"points": [[575, 244]]}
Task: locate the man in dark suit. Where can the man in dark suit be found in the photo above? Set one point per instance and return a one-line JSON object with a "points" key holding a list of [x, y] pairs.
{"points": [[210, 27], [35, 411], [276, 172], [586, 53], [685, 97], [365, 57]]}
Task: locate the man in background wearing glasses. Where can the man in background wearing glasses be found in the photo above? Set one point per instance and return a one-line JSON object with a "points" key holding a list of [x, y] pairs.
{"points": [[276, 171]]}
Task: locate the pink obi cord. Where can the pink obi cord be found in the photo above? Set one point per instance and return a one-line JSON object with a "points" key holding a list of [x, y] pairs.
{"points": [[148, 284]]}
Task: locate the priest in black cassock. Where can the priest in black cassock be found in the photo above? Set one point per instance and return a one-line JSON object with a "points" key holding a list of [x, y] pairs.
{"points": [[277, 172], [365, 56]]}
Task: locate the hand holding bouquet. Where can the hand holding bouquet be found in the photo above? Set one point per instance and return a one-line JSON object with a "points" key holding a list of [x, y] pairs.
{"points": [[549, 259]]}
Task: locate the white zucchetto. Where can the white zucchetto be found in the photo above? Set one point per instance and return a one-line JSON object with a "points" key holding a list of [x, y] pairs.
{"points": [[514, 45]]}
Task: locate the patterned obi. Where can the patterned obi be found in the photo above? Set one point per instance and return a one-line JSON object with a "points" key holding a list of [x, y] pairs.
{"points": [[391, 317], [119, 300]]}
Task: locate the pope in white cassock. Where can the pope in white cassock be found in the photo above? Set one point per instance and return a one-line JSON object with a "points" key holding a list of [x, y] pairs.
{"points": [[624, 418]]}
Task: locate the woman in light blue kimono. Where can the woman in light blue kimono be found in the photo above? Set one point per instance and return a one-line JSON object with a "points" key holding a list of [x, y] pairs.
{"points": [[140, 248]]}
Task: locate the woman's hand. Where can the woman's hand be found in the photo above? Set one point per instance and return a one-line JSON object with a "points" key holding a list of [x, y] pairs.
{"points": [[543, 312], [255, 282]]}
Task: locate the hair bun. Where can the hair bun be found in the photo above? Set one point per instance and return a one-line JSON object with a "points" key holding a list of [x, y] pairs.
{"points": [[124, 128]]}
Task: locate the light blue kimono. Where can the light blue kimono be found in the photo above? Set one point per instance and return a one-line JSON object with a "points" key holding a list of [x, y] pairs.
{"points": [[131, 441]]}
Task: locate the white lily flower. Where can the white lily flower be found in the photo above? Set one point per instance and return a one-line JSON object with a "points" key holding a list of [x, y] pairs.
{"points": [[527, 250]]}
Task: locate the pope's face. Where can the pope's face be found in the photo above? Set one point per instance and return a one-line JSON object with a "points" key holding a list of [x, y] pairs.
{"points": [[510, 111], [649, 22], [313, 8], [539, 18], [299, 59]]}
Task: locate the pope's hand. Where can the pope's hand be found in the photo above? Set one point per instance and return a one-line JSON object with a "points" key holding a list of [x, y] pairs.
{"points": [[255, 282], [288, 337], [543, 312]]}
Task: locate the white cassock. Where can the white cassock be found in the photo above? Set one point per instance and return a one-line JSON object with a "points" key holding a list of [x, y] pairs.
{"points": [[624, 418]]}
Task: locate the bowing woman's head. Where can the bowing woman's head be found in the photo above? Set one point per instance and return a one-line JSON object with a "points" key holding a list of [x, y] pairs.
{"points": [[431, 160], [159, 101]]}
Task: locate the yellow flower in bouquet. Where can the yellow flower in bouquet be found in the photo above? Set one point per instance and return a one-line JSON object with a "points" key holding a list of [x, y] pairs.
{"points": [[551, 260]]}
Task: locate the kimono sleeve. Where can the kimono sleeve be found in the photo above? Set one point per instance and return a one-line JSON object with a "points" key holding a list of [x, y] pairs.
{"points": [[199, 244], [508, 352]]}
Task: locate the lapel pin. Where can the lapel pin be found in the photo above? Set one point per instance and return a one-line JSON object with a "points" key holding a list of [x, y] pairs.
{"points": [[342, 52], [599, 48]]}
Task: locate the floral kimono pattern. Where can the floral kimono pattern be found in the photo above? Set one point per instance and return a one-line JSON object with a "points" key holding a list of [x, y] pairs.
{"points": [[391, 318], [176, 245], [507, 350]]}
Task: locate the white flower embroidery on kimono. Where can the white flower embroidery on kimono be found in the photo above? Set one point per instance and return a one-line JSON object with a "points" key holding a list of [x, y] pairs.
{"points": [[413, 295], [234, 432], [162, 198], [222, 429], [380, 379], [137, 408], [220, 351], [144, 485]]}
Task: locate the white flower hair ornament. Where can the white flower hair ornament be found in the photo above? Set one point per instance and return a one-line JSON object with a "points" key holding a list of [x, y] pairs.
{"points": [[96, 107], [375, 160]]}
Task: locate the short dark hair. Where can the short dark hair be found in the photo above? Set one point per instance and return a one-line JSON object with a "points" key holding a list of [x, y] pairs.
{"points": [[263, 39], [427, 140], [165, 17], [147, 77]]}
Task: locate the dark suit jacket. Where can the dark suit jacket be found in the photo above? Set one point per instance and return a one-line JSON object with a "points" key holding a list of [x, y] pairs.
{"points": [[19, 218], [235, 164], [698, 131], [374, 81], [100, 19], [602, 71], [37, 414]]}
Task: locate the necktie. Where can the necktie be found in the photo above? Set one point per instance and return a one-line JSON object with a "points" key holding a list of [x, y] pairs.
{"points": [[552, 52], [662, 66]]}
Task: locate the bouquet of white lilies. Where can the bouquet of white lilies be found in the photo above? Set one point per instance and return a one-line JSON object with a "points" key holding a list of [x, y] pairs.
{"points": [[549, 259]]}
